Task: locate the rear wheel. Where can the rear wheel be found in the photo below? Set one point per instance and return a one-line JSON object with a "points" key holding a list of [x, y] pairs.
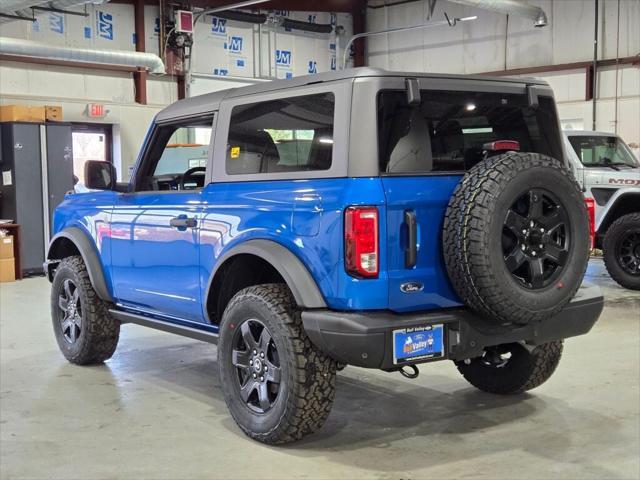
{"points": [[622, 251], [512, 368], [277, 385], [85, 331], [516, 238]]}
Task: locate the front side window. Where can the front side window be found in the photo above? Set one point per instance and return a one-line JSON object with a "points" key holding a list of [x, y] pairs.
{"points": [[285, 135], [602, 151], [178, 157], [447, 131]]}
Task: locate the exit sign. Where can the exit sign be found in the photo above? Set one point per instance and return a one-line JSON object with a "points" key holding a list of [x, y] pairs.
{"points": [[96, 110]]}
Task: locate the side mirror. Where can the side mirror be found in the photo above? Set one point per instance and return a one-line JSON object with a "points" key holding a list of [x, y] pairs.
{"points": [[99, 175]]}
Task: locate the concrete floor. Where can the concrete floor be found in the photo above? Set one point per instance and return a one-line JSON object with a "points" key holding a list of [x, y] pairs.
{"points": [[156, 411]]}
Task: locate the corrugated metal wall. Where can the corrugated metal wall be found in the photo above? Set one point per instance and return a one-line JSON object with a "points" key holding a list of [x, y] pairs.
{"points": [[491, 43]]}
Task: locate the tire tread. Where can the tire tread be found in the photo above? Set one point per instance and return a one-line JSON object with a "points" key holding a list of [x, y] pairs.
{"points": [[312, 396], [465, 237], [101, 331]]}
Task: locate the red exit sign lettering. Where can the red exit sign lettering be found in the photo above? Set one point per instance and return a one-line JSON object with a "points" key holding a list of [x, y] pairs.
{"points": [[96, 110]]}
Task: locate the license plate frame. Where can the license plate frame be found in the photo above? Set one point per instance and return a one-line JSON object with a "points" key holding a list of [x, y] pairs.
{"points": [[418, 344]]}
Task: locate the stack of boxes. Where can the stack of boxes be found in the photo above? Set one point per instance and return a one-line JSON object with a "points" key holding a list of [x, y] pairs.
{"points": [[25, 113], [7, 260]]}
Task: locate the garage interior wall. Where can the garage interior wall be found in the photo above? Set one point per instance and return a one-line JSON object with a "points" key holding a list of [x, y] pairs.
{"points": [[225, 55], [493, 43]]}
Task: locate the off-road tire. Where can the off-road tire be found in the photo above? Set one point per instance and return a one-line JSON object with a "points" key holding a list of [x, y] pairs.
{"points": [[307, 388], [99, 332], [472, 238], [524, 371], [623, 225]]}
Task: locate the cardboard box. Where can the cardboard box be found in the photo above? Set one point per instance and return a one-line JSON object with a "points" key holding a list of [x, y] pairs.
{"points": [[7, 270], [21, 113], [6, 246], [53, 113]]}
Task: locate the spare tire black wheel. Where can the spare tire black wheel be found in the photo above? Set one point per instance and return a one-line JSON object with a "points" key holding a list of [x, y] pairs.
{"points": [[516, 238]]}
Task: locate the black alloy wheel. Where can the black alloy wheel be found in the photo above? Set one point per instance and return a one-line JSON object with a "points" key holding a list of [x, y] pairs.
{"points": [[628, 252], [255, 359], [70, 311], [535, 239]]}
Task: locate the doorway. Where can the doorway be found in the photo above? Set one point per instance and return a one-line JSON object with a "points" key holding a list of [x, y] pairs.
{"points": [[90, 142]]}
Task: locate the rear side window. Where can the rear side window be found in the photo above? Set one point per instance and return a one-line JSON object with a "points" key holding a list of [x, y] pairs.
{"points": [[285, 135], [447, 131]]}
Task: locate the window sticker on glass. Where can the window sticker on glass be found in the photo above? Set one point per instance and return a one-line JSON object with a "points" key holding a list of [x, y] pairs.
{"points": [[235, 152]]}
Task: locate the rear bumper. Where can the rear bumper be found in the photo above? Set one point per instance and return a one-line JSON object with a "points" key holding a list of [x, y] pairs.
{"points": [[364, 339]]}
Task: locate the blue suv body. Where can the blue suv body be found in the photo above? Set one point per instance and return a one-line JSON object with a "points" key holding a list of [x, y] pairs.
{"points": [[317, 184]]}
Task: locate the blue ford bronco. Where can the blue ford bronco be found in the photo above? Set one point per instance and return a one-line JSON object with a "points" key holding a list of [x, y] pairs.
{"points": [[360, 217]]}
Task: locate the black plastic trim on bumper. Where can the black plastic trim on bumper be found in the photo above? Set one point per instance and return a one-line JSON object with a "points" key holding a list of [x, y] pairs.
{"points": [[364, 339]]}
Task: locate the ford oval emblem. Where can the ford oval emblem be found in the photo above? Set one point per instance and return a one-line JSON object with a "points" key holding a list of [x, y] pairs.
{"points": [[411, 287]]}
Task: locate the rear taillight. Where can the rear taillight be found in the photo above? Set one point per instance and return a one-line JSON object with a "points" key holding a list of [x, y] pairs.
{"points": [[502, 145], [361, 251], [591, 210]]}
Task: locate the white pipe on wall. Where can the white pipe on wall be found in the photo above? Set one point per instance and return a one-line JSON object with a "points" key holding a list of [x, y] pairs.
{"points": [[29, 48]]}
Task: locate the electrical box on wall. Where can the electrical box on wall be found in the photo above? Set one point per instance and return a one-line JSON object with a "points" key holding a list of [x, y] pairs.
{"points": [[184, 21]]}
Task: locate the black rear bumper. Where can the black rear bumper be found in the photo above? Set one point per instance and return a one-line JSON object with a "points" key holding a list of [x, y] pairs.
{"points": [[364, 339]]}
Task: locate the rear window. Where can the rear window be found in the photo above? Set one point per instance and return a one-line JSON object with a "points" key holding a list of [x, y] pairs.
{"points": [[447, 131], [285, 135]]}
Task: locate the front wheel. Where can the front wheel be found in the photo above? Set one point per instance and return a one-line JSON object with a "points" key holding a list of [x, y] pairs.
{"points": [[621, 251], [277, 385], [85, 331], [512, 368]]}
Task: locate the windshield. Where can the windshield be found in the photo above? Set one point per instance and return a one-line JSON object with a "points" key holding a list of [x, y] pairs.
{"points": [[448, 130], [602, 151]]}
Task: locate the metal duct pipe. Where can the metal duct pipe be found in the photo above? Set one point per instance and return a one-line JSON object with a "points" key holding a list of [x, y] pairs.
{"points": [[239, 16], [28, 48], [22, 8], [10, 6], [306, 26], [510, 7], [224, 8]]}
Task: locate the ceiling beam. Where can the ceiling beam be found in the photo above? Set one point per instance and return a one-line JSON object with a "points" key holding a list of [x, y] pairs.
{"points": [[564, 66], [346, 6]]}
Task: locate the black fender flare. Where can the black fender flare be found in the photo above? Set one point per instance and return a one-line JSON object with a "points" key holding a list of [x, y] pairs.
{"points": [[613, 214], [89, 255], [302, 285]]}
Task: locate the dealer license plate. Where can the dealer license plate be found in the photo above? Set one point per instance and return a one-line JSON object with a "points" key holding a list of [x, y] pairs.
{"points": [[418, 343]]}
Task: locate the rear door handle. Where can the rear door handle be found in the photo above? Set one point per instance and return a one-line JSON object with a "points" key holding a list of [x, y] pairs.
{"points": [[182, 222], [411, 250]]}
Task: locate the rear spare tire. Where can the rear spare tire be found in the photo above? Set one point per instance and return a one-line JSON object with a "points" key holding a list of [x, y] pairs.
{"points": [[516, 238]]}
